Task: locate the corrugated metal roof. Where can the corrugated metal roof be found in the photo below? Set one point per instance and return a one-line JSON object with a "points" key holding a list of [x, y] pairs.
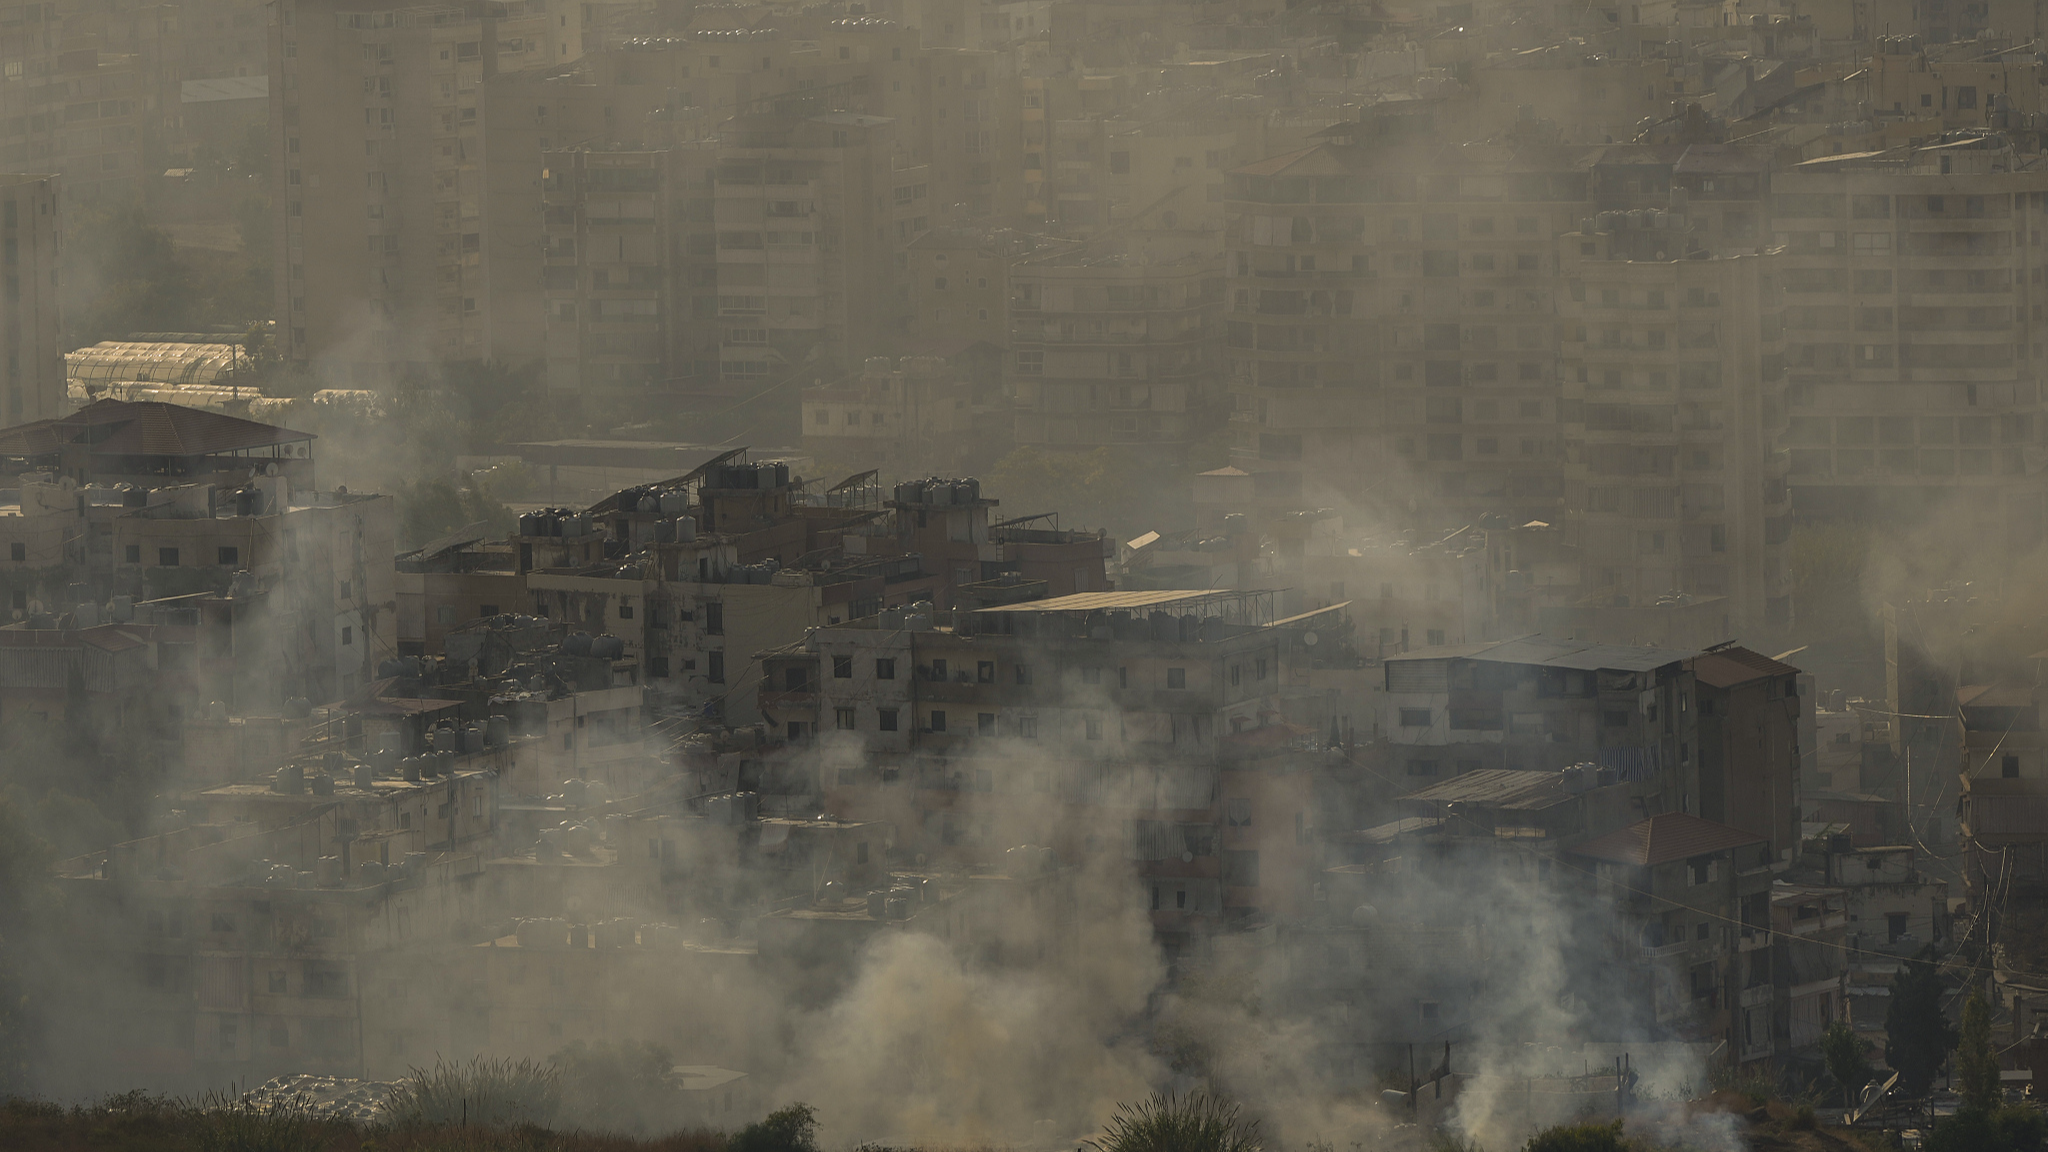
{"points": [[1098, 601], [1510, 788], [146, 428], [1552, 653], [1727, 667], [1662, 839]]}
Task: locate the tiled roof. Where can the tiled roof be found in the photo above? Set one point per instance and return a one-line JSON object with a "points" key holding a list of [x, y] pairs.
{"points": [[1662, 839]]}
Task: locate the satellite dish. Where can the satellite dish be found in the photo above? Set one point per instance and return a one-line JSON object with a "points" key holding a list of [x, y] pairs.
{"points": [[1187, 857], [1309, 638]]}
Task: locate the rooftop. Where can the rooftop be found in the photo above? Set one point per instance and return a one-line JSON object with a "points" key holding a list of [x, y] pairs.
{"points": [[1662, 839], [147, 428], [1543, 650], [1727, 667], [1106, 601], [1507, 788]]}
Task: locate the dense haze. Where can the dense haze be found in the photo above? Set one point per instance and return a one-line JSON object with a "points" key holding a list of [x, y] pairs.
{"points": [[1428, 570]]}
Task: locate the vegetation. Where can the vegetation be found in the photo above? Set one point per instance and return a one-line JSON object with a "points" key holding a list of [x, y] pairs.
{"points": [[1976, 1066], [1999, 1129], [486, 1092], [790, 1129], [135, 1122], [1089, 489], [1578, 1138], [1917, 1036], [620, 1087], [1842, 1049], [1164, 1122], [122, 274]]}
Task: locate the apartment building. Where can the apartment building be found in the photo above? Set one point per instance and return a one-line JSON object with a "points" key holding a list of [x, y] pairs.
{"points": [[804, 262], [31, 332], [1914, 337], [916, 416], [1406, 348], [630, 274], [1112, 348], [1672, 400], [75, 104], [1121, 723], [382, 182]]}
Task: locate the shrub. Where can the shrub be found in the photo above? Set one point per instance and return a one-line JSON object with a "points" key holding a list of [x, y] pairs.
{"points": [[790, 1129], [244, 1125], [1164, 1122], [2005, 1129], [483, 1092], [1578, 1138]]}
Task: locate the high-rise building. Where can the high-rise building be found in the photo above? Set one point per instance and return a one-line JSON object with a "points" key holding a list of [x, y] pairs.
{"points": [[1672, 406], [382, 183], [1914, 340], [31, 336]]}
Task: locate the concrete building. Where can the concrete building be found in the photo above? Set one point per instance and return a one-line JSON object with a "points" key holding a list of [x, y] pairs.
{"points": [[31, 331], [1750, 715], [1112, 348], [383, 186], [1671, 403], [1912, 341]]}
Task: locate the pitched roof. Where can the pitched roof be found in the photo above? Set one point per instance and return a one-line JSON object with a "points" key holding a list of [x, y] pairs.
{"points": [[1727, 667], [145, 428], [1662, 839]]}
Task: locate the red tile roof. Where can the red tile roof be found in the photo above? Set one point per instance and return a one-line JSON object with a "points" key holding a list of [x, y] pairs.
{"points": [[1662, 839], [145, 428]]}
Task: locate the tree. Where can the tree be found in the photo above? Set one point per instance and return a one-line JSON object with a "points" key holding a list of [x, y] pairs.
{"points": [[2003, 1129], [790, 1129], [1976, 1065], [1843, 1051], [620, 1086], [1916, 1035]]}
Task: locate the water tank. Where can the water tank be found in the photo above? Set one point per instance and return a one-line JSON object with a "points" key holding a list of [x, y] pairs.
{"points": [[323, 785], [529, 523], [328, 871], [628, 500], [498, 730], [973, 488], [370, 872], [447, 759], [365, 775], [290, 780], [410, 768], [686, 529], [608, 647], [578, 644], [674, 502], [574, 792], [473, 738], [440, 738], [298, 708], [664, 531], [878, 905]]}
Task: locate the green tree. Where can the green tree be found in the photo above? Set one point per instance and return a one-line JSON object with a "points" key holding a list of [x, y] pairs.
{"points": [[790, 1129], [1842, 1049], [1917, 1037], [1976, 1065], [1578, 1138], [2003, 1129]]}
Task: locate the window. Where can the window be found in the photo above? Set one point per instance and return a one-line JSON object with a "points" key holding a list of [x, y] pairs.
{"points": [[985, 672], [625, 611], [1176, 678], [1894, 926], [278, 982], [2009, 767], [132, 554], [938, 720], [885, 668], [1435, 637], [167, 557], [1027, 727], [348, 634], [842, 667], [714, 618], [845, 719], [1414, 717], [885, 719], [985, 723], [1092, 726], [714, 667]]}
